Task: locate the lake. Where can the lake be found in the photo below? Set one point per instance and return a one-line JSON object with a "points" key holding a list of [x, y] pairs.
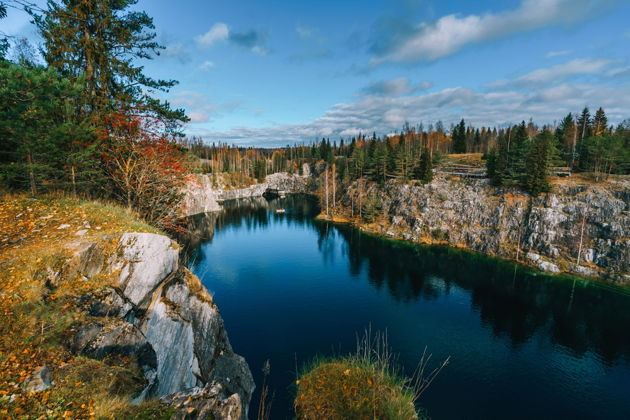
{"points": [[522, 344]]}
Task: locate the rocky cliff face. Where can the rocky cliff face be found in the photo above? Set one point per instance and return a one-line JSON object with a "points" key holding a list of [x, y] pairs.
{"points": [[201, 196], [547, 232], [159, 313]]}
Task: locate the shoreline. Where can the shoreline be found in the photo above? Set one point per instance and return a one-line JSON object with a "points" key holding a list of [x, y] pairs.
{"points": [[354, 223]]}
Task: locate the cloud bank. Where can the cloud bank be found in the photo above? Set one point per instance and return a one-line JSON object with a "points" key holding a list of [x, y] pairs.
{"points": [[449, 34], [541, 94]]}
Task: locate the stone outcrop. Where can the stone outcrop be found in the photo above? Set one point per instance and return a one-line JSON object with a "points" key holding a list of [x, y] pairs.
{"points": [[160, 314], [202, 196], [544, 232]]}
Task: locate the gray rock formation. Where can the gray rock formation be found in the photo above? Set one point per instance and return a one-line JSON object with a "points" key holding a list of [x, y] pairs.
{"points": [[544, 232], [160, 313], [201, 196]]}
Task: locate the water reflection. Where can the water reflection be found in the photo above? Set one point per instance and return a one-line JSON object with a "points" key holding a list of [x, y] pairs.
{"points": [[514, 303]]}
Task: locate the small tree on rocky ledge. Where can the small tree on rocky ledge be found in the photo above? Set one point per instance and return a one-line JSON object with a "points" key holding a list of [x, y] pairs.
{"points": [[424, 172]]}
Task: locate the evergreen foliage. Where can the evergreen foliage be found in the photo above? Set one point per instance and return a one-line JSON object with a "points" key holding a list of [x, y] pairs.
{"points": [[371, 208], [425, 169], [98, 42], [459, 137], [538, 162], [44, 145]]}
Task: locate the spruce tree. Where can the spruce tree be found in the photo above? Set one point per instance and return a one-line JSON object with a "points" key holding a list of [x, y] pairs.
{"points": [[402, 161], [459, 137], [518, 146], [371, 208], [567, 136], [38, 128], [425, 169], [538, 161], [600, 123], [477, 141], [584, 124]]}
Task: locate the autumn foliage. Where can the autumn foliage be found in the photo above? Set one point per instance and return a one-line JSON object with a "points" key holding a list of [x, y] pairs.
{"points": [[148, 171]]}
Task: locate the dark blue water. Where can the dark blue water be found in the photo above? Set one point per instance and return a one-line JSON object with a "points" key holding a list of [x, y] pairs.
{"points": [[522, 345]]}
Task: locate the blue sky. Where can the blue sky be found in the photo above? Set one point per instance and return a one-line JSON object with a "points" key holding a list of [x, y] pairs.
{"points": [[275, 72]]}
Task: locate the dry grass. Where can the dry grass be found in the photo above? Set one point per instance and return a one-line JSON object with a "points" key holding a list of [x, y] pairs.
{"points": [[365, 385], [36, 319], [472, 159]]}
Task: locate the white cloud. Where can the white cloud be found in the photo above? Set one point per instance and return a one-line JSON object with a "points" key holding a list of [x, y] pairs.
{"points": [[218, 32], [557, 73], [394, 87], [198, 108], [207, 65], [387, 114], [252, 40], [562, 53], [451, 33]]}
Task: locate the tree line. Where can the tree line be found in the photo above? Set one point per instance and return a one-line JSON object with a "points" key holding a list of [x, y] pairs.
{"points": [[85, 120], [580, 143]]}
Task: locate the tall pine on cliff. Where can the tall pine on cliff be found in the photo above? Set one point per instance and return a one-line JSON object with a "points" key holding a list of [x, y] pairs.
{"points": [[99, 40]]}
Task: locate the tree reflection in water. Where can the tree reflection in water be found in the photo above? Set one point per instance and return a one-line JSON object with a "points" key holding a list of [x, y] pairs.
{"points": [[515, 302]]}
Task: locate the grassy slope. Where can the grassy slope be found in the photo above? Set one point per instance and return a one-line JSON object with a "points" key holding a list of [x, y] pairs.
{"points": [[36, 320]]}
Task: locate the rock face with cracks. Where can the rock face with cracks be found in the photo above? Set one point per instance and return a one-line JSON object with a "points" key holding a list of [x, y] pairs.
{"points": [[201, 196], [581, 229], [160, 314]]}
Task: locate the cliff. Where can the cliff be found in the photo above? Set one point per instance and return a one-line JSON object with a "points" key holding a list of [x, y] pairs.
{"points": [[159, 313], [98, 323], [546, 232], [202, 195]]}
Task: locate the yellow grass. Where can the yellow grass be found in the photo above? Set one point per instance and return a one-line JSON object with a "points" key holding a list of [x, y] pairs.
{"points": [[35, 319]]}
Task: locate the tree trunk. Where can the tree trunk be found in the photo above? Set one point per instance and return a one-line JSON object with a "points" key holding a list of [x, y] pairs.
{"points": [[326, 190], [31, 175], [74, 181]]}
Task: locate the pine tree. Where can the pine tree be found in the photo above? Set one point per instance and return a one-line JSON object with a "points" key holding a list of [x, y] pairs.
{"points": [[98, 40], [600, 123]]}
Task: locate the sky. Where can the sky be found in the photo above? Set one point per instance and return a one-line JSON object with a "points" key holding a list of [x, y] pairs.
{"points": [[276, 72]]}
